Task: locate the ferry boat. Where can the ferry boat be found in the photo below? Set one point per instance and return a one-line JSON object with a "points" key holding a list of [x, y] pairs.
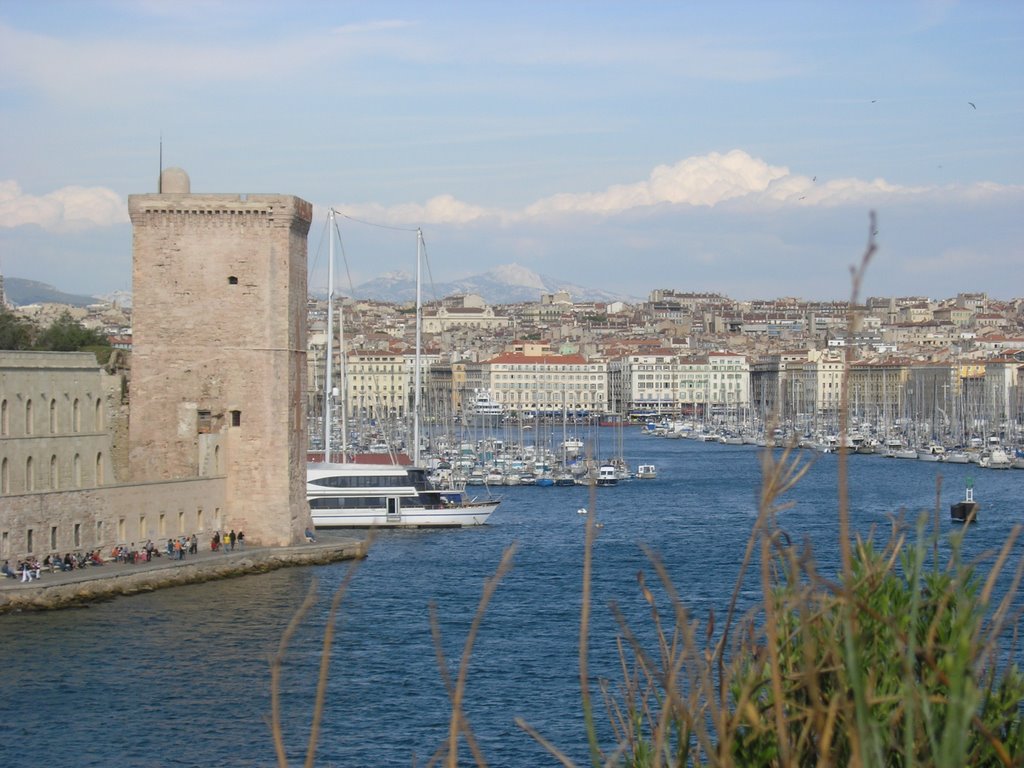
{"points": [[483, 407], [646, 472], [387, 495]]}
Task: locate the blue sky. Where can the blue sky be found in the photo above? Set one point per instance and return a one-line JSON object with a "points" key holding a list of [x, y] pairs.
{"points": [[735, 147]]}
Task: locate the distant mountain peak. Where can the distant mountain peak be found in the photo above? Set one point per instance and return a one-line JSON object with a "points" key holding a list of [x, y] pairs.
{"points": [[21, 292], [516, 274], [505, 284]]}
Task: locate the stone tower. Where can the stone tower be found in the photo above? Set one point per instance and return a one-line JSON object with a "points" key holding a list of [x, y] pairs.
{"points": [[219, 350]]}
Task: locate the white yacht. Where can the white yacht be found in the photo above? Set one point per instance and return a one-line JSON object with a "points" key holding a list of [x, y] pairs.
{"points": [[387, 495], [931, 452], [483, 406], [607, 475]]}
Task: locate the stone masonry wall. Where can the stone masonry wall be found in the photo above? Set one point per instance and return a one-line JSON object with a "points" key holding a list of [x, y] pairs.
{"points": [[219, 347], [92, 518]]}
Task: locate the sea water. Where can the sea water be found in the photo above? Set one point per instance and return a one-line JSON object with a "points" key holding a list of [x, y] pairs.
{"points": [[180, 677]]}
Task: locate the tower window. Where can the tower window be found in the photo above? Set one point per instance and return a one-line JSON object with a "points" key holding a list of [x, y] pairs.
{"points": [[236, 418], [232, 280]]}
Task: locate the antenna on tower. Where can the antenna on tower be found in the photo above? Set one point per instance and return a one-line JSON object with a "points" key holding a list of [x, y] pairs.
{"points": [[160, 178]]}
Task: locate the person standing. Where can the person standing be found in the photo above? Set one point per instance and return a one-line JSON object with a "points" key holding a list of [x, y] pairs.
{"points": [[231, 539], [241, 540]]}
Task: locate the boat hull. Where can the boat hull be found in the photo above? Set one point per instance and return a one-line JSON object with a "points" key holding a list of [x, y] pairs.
{"points": [[465, 515]]}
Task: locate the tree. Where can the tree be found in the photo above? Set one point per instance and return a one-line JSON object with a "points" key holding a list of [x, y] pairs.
{"points": [[15, 332], [66, 334]]}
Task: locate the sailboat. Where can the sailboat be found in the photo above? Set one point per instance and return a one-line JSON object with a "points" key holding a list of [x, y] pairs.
{"points": [[390, 494]]}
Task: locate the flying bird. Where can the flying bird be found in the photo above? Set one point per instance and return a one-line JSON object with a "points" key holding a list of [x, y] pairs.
{"points": [[972, 104]]}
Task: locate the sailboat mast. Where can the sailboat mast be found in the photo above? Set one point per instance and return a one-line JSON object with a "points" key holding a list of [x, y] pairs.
{"points": [[330, 337], [417, 372]]}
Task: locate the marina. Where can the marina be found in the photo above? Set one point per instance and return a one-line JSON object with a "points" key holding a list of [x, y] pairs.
{"points": [[197, 654]]}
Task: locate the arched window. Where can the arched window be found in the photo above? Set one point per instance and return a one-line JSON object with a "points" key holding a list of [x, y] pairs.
{"points": [[99, 468], [76, 416], [99, 414], [5, 476], [76, 471], [54, 478], [4, 419], [28, 417], [53, 416], [216, 459], [30, 480]]}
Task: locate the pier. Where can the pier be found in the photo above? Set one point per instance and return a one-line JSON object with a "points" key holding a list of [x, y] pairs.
{"points": [[68, 589]]}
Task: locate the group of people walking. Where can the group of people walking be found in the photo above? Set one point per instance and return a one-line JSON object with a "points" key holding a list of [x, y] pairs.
{"points": [[228, 541]]}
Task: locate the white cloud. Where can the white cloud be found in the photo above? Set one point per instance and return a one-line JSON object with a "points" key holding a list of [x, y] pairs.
{"points": [[442, 209], [704, 180], [66, 209], [701, 181]]}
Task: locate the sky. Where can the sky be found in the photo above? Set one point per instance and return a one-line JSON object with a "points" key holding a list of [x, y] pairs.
{"points": [[730, 147]]}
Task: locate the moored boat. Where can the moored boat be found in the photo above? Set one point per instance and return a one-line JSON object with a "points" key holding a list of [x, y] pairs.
{"points": [[965, 511], [646, 472], [387, 495], [931, 452], [607, 475], [995, 458]]}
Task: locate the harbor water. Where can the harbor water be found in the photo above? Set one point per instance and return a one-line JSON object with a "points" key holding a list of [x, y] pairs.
{"points": [[180, 677]]}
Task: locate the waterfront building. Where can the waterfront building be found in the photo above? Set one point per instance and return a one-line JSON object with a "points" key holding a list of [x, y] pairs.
{"points": [[216, 437], [660, 382], [376, 385], [546, 383], [219, 337]]}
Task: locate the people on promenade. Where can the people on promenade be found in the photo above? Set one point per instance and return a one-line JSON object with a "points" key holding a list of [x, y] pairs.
{"points": [[241, 540], [7, 571], [215, 541], [193, 546], [231, 539], [30, 570]]}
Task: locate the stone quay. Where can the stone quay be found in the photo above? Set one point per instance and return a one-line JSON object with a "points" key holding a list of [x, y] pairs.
{"points": [[69, 589]]}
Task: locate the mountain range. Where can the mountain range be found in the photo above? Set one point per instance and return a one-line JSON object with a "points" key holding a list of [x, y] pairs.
{"points": [[506, 284], [21, 292]]}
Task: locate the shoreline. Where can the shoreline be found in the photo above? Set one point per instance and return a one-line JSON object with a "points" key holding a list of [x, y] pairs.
{"points": [[70, 589]]}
